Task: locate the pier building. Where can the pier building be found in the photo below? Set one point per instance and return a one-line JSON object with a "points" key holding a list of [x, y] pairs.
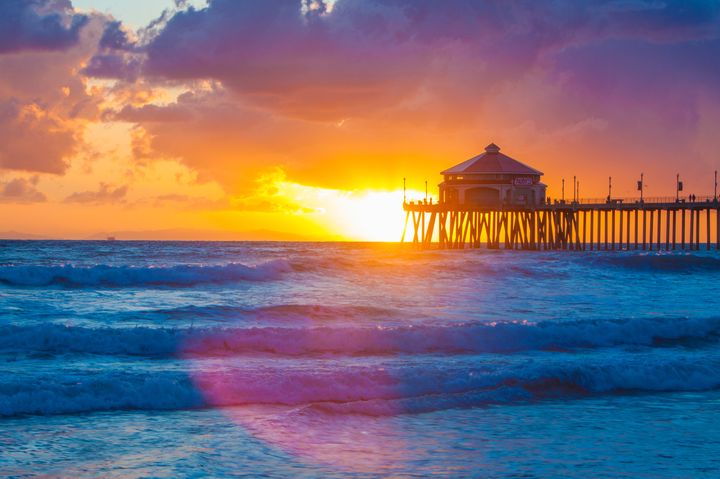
{"points": [[495, 201]]}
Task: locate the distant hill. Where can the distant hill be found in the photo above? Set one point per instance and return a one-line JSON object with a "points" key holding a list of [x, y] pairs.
{"points": [[16, 235]]}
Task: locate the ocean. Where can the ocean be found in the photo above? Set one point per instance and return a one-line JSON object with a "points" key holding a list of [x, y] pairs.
{"points": [[356, 360]]}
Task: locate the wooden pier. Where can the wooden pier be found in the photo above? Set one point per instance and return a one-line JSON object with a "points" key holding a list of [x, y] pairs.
{"points": [[631, 224]]}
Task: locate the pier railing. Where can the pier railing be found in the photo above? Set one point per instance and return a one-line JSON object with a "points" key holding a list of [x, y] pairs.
{"points": [[654, 223], [645, 200]]}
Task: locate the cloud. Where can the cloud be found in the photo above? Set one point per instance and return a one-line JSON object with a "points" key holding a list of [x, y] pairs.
{"points": [[33, 138], [38, 25], [115, 37], [367, 91], [188, 202], [21, 190], [117, 55], [155, 113], [104, 194], [120, 66], [44, 103], [370, 54]]}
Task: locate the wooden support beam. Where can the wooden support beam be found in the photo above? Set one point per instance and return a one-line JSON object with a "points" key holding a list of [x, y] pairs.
{"points": [[692, 229], [507, 229], [576, 221], [682, 228], [605, 229], [644, 228], [407, 219], [416, 240], [717, 228], [431, 226], [636, 228], [707, 232], [627, 224], [496, 229], [533, 231], [652, 220], [468, 220]]}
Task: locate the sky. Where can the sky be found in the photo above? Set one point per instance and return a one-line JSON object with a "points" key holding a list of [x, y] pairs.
{"points": [[298, 119]]}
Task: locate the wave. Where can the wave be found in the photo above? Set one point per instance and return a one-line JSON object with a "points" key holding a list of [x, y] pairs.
{"points": [[533, 382], [661, 262], [470, 338], [106, 275], [281, 312], [405, 389]]}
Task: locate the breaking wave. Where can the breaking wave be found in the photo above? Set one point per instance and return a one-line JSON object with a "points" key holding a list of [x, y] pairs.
{"points": [[473, 338], [355, 389], [119, 276]]}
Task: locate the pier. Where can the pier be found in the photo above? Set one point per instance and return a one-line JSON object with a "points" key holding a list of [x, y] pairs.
{"points": [[570, 226], [494, 201]]}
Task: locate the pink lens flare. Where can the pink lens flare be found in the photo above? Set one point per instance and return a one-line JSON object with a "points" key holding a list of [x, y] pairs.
{"points": [[342, 418]]}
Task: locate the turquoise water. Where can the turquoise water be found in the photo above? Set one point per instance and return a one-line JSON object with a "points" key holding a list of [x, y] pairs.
{"points": [[182, 359]]}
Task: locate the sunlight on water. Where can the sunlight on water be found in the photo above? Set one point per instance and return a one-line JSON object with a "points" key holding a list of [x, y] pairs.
{"points": [[339, 360]]}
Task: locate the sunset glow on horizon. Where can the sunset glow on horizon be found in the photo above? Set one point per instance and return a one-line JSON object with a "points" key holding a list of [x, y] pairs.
{"points": [[299, 119]]}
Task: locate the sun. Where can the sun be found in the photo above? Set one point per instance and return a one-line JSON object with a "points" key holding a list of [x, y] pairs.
{"points": [[372, 216], [357, 215]]}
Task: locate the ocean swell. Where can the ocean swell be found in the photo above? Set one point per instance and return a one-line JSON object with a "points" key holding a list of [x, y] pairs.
{"points": [[471, 338], [661, 262], [354, 389], [124, 276]]}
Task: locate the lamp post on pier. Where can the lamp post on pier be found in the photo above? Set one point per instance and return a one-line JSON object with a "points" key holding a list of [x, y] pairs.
{"points": [[678, 188], [609, 189], [641, 186], [574, 189], [563, 190]]}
